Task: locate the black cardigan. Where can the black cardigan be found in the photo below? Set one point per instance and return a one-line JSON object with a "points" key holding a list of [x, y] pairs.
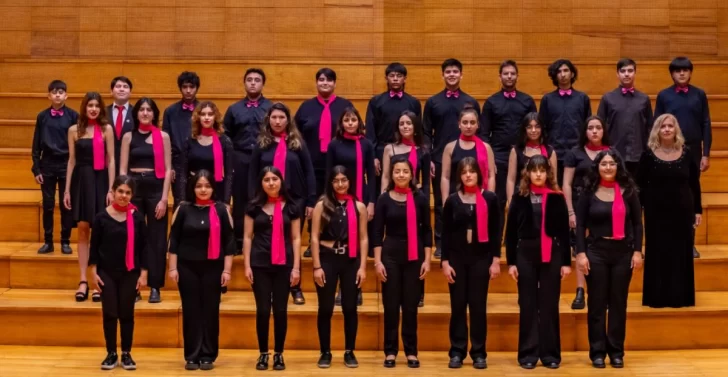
{"points": [[520, 226]]}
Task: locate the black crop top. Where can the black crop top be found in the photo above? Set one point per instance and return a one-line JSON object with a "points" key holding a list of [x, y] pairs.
{"points": [[108, 242], [595, 215], [190, 232], [337, 229], [260, 251], [459, 217], [141, 153]]}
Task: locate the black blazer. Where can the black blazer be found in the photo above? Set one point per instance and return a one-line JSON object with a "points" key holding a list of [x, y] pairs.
{"points": [[521, 226], [128, 125]]}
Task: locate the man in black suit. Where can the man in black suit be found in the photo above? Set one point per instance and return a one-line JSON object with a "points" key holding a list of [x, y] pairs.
{"points": [[119, 113]]}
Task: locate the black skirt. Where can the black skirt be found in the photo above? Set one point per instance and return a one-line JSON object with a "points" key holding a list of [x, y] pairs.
{"points": [[88, 192]]}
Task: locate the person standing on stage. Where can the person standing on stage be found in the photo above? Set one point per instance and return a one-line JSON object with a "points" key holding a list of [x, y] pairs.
{"points": [[531, 142], [439, 122], [609, 209], [689, 105], [120, 114], [537, 252], [118, 257], [471, 245]]}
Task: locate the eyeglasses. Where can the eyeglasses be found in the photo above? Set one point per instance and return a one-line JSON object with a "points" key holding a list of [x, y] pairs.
{"points": [[340, 181]]}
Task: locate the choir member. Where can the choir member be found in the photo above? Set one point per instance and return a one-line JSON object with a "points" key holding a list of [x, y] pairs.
{"points": [[628, 112], [537, 252], [118, 257], [531, 142], [402, 240], [292, 159], [242, 123], [564, 110], [89, 176], [272, 247], [441, 114], [471, 242], [49, 152], [120, 113], [338, 243], [670, 195], [146, 156], [177, 123], [689, 105], [201, 249], [609, 210], [316, 118], [578, 162]]}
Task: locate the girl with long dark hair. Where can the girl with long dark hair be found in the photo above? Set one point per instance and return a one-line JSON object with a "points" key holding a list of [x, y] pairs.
{"points": [[531, 142]]}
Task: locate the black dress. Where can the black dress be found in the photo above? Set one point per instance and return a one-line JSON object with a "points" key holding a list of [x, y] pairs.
{"points": [[88, 186], [670, 195]]}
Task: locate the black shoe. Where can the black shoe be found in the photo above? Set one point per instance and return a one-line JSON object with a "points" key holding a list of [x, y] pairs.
{"points": [[138, 297], [224, 290], [110, 361], [298, 299], [82, 296], [456, 362], [325, 360], [262, 363], [616, 362], [480, 363], [359, 298], [438, 253], [96, 296], [278, 363], [337, 300], [528, 365], [578, 302], [390, 363], [192, 365], [421, 303], [127, 362], [206, 365], [350, 360], [47, 248], [66, 249], [154, 297], [307, 253], [696, 254], [598, 363], [414, 363], [551, 365]]}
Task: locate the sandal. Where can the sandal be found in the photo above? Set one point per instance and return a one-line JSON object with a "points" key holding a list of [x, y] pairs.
{"points": [[82, 296], [96, 296]]}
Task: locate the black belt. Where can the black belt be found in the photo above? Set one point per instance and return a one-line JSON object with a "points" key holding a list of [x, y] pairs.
{"points": [[338, 248]]}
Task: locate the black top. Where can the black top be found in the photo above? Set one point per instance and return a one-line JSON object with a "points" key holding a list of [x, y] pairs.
{"points": [[501, 119], [581, 162], [308, 118], [390, 222], [563, 118], [679, 179], [422, 175], [50, 138], [177, 123], [524, 224], [440, 120], [108, 242], [190, 232], [382, 119], [141, 153], [343, 152], [595, 215], [457, 219], [522, 159], [300, 180], [85, 151], [629, 119], [337, 229], [196, 156], [242, 123], [458, 154], [260, 251], [692, 113]]}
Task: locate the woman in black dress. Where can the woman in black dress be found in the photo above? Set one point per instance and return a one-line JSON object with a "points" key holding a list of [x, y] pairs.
{"points": [[531, 142], [470, 258], [201, 249], [670, 194], [89, 175], [272, 251]]}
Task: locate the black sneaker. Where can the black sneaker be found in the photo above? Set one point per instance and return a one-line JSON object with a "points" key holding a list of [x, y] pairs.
{"points": [[479, 363], [456, 362], [110, 361], [47, 248], [262, 363], [350, 360], [127, 362], [298, 298], [325, 360], [337, 300], [154, 296], [192, 365], [307, 253], [66, 249], [206, 365], [278, 363]]}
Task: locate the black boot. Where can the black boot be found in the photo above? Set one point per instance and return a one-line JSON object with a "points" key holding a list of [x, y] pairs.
{"points": [[578, 302]]}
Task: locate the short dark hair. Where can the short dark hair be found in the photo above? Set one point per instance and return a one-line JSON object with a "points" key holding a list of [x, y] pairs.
{"points": [[624, 62], [122, 79], [255, 70], [57, 85], [508, 63], [138, 105], [451, 62], [554, 70], [396, 67], [329, 73], [679, 63], [187, 77]]}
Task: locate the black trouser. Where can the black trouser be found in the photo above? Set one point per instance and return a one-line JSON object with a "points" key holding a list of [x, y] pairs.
{"points": [[559, 173], [320, 176], [301, 205], [501, 179], [52, 177], [147, 196], [240, 195], [343, 269], [271, 282], [200, 289], [695, 151], [608, 282], [177, 182], [539, 286], [438, 202], [117, 304], [470, 291], [401, 291]]}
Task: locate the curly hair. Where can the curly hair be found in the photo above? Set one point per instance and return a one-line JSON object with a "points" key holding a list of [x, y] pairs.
{"points": [[294, 141], [591, 181], [534, 163], [197, 124], [653, 141]]}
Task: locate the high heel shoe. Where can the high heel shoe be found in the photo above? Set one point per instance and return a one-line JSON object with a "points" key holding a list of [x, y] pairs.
{"points": [[82, 296]]}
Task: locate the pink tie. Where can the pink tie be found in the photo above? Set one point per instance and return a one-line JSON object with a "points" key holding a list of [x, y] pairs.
{"points": [[359, 165], [679, 89], [56, 113], [481, 212], [119, 121], [481, 154], [412, 155], [252, 104], [392, 93], [412, 246], [217, 157], [451, 93], [279, 158], [188, 106], [157, 147], [213, 242], [618, 210], [566, 92], [546, 241], [542, 147], [353, 227], [129, 255], [511, 94], [278, 245], [325, 123], [98, 146], [628, 90]]}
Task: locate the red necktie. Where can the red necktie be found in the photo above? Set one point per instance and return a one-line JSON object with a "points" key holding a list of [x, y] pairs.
{"points": [[510, 94], [56, 113], [451, 93], [679, 89], [566, 92], [628, 90], [119, 121], [392, 93], [188, 106], [252, 104]]}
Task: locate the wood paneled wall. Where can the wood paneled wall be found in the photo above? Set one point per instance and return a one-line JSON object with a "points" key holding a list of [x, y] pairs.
{"points": [[371, 30]]}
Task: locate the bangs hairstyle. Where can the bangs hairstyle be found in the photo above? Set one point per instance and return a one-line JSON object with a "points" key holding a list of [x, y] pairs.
{"points": [[83, 117], [192, 182], [396, 67], [416, 126], [523, 133], [260, 197], [451, 63], [254, 70], [329, 197], [138, 105], [680, 63], [188, 77], [554, 70], [472, 163], [361, 130], [401, 160], [653, 142], [294, 140], [625, 62], [57, 85], [534, 163], [123, 79], [508, 63], [197, 123], [584, 140], [329, 73], [124, 180], [592, 179]]}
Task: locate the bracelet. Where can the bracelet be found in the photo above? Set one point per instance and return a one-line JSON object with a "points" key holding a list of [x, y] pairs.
{"points": [[572, 213], [173, 270], [227, 272], [377, 264], [295, 270], [317, 268]]}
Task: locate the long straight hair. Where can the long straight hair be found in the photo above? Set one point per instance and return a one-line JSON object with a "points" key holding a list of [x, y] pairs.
{"points": [[260, 197], [329, 197], [83, 116], [472, 163]]}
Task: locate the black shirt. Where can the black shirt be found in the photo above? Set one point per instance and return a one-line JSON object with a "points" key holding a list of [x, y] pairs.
{"points": [[50, 139], [108, 242], [595, 215], [177, 123], [563, 118], [260, 251], [459, 217], [390, 224], [629, 121], [300, 180], [501, 119], [382, 119], [440, 120], [141, 153], [337, 228], [308, 118], [422, 175], [189, 235], [343, 152], [692, 113], [196, 156], [581, 162], [242, 124]]}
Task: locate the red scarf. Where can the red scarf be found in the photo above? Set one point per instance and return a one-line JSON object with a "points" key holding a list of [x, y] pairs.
{"points": [[98, 145], [216, 152], [481, 212], [279, 158], [481, 154], [359, 165], [278, 245], [353, 226], [325, 124], [595, 148], [535, 145], [411, 223], [213, 242], [158, 148], [412, 155], [619, 211], [546, 241], [129, 255]]}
